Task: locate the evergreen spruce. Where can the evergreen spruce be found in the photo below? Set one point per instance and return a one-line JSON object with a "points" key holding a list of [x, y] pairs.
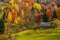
{"points": [[54, 15], [45, 19]]}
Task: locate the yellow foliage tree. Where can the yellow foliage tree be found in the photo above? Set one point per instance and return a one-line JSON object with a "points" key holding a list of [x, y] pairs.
{"points": [[17, 20], [9, 17], [16, 7], [37, 6], [22, 14], [11, 2]]}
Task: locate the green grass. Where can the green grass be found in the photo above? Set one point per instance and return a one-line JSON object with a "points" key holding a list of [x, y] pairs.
{"points": [[45, 34]]}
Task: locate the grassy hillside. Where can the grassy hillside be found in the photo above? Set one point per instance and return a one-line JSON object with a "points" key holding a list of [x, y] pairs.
{"points": [[45, 34]]}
